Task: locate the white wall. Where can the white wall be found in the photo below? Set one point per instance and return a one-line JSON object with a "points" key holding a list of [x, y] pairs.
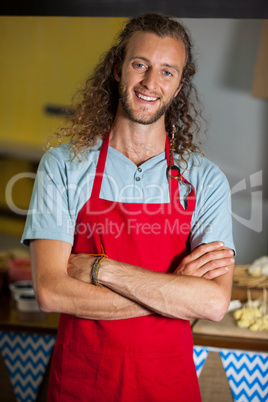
{"points": [[238, 124]]}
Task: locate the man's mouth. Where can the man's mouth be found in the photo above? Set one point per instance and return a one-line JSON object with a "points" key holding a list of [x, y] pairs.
{"points": [[146, 97]]}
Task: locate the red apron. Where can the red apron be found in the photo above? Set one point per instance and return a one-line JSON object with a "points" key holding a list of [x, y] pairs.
{"points": [[139, 359]]}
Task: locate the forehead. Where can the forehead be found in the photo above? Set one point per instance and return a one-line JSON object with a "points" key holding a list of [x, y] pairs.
{"points": [[155, 48]]}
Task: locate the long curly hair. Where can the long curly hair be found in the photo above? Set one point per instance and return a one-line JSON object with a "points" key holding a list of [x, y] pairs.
{"points": [[95, 113]]}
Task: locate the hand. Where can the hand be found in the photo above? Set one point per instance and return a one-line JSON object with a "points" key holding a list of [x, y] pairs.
{"points": [[208, 261], [79, 267]]}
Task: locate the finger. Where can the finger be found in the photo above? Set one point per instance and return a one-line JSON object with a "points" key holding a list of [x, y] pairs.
{"points": [[215, 273], [211, 260], [208, 263], [215, 265], [204, 249], [216, 258]]}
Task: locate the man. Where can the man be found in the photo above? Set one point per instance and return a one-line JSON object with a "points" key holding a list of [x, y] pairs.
{"points": [[128, 239]]}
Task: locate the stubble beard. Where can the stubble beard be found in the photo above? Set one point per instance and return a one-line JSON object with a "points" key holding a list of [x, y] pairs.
{"points": [[140, 117]]}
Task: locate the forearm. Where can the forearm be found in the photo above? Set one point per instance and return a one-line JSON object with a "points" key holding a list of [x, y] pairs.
{"points": [[170, 295], [87, 301], [57, 292]]}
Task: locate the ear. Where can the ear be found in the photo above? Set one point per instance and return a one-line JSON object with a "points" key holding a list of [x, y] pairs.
{"points": [[180, 87], [116, 74]]}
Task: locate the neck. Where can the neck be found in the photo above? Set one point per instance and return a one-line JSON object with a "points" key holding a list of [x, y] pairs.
{"points": [[138, 142]]}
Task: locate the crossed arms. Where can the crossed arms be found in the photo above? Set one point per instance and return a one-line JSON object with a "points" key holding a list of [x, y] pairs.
{"points": [[199, 288]]}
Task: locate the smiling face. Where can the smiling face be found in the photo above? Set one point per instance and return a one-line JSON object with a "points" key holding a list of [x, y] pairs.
{"points": [[150, 76]]}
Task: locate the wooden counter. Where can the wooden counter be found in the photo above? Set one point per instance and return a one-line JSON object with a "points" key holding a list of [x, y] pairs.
{"points": [[213, 380], [13, 320], [226, 334]]}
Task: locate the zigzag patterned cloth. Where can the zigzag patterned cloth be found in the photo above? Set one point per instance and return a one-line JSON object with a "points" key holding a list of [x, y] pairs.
{"points": [[26, 357], [200, 356], [247, 373]]}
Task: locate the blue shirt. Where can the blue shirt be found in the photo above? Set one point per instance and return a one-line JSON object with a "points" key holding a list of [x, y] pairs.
{"points": [[63, 186]]}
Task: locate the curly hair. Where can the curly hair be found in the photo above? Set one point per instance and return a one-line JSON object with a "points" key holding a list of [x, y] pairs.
{"points": [[95, 114]]}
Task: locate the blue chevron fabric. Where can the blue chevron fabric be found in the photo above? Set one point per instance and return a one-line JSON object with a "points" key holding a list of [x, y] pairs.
{"points": [[26, 357], [200, 355], [247, 373]]}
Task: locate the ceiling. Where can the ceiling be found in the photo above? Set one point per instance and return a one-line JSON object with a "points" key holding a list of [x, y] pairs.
{"points": [[240, 9]]}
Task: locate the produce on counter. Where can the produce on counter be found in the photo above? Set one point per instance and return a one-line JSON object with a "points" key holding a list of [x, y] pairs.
{"points": [[244, 278], [253, 314], [259, 267]]}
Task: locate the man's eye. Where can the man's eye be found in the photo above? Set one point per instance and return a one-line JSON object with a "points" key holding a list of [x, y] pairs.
{"points": [[138, 65], [167, 73]]}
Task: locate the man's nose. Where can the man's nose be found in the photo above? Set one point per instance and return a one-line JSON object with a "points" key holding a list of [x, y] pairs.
{"points": [[150, 79]]}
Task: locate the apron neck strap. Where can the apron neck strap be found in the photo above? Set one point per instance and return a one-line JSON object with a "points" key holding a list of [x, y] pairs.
{"points": [[173, 183], [100, 167]]}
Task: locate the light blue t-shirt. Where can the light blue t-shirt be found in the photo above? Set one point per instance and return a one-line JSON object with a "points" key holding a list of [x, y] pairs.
{"points": [[63, 186]]}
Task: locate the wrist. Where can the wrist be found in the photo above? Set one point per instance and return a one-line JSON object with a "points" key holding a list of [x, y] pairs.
{"points": [[106, 272], [94, 275]]}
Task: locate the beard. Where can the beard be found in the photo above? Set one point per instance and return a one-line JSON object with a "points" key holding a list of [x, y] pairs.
{"points": [[140, 117]]}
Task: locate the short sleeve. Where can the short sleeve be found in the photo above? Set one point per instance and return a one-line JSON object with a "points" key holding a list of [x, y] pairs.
{"points": [[212, 218], [49, 215]]}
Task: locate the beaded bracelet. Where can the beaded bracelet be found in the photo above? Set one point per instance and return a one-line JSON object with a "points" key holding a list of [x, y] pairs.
{"points": [[95, 270]]}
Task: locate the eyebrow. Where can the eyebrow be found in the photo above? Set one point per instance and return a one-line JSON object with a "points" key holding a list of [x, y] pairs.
{"points": [[163, 65]]}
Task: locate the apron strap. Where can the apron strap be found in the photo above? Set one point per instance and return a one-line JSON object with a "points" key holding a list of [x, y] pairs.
{"points": [[173, 183], [191, 199], [100, 167]]}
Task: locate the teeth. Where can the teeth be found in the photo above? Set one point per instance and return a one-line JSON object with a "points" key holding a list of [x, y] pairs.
{"points": [[147, 98]]}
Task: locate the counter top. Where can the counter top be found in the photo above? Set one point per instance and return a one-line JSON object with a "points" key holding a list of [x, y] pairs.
{"points": [[223, 334], [226, 334], [13, 320]]}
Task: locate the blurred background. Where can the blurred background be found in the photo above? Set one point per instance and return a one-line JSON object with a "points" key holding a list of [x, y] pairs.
{"points": [[45, 59], [47, 50]]}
